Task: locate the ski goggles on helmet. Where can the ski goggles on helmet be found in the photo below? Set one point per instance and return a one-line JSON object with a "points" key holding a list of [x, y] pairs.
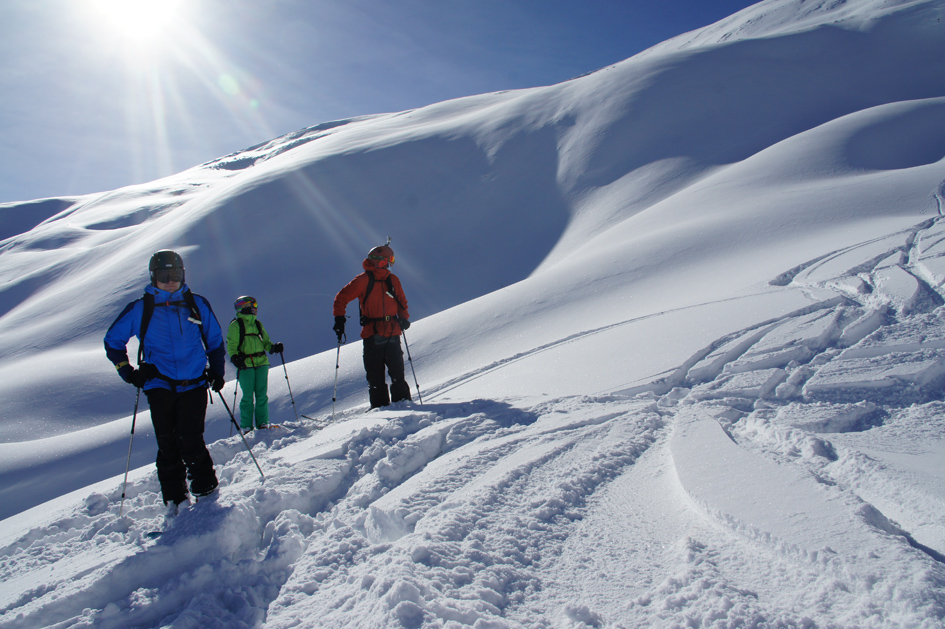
{"points": [[381, 260], [166, 276], [245, 302]]}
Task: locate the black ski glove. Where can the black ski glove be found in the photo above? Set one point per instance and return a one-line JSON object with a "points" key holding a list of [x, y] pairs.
{"points": [[339, 326], [276, 348], [132, 376], [148, 371], [404, 324], [238, 361], [216, 381]]}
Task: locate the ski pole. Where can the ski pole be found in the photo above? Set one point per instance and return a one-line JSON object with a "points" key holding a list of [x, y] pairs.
{"points": [[334, 396], [240, 431], [286, 371], [236, 388], [410, 360], [128, 462]]}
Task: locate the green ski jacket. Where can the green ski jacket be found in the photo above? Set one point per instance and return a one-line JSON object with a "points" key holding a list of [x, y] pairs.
{"points": [[255, 341]]}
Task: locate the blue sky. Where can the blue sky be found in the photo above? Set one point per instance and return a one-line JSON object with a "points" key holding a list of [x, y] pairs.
{"points": [[93, 97]]}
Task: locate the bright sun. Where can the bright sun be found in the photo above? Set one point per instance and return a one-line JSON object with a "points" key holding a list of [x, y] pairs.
{"points": [[139, 20]]}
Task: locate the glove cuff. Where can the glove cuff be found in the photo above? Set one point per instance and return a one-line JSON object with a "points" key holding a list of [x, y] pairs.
{"points": [[125, 371]]}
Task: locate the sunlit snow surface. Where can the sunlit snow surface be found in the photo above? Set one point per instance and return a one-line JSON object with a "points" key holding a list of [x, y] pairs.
{"points": [[679, 334]]}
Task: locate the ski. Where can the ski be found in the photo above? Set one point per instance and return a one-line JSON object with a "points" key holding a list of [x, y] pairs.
{"points": [[320, 422], [250, 431]]}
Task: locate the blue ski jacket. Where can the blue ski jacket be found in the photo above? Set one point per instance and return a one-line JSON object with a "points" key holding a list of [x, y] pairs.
{"points": [[174, 343]]}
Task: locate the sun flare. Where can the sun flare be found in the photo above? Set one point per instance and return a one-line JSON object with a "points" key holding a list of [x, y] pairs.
{"points": [[138, 20]]}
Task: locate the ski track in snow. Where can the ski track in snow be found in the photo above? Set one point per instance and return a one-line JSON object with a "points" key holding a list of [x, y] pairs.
{"points": [[628, 519]]}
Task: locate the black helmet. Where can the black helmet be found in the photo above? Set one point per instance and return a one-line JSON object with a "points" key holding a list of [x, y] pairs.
{"points": [[245, 304], [166, 266]]}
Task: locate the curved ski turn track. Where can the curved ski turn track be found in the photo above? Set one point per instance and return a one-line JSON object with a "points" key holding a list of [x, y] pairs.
{"points": [[778, 478]]}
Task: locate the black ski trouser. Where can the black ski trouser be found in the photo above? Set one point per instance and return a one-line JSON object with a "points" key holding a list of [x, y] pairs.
{"points": [[178, 420], [382, 352]]}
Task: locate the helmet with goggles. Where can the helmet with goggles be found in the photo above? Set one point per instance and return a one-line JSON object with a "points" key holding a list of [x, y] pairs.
{"points": [[166, 266], [381, 256], [245, 304]]}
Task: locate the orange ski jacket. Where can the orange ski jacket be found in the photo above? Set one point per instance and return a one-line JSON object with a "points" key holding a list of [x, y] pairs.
{"points": [[379, 310]]}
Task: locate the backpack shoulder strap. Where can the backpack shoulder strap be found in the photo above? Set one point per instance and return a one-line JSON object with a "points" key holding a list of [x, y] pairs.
{"points": [[195, 316], [390, 291], [370, 286], [146, 312], [239, 344]]}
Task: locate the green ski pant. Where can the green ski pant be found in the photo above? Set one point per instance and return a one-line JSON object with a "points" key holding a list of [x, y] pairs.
{"points": [[254, 383]]}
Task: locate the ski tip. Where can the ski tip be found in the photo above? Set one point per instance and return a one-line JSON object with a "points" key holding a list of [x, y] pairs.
{"points": [[249, 431]]}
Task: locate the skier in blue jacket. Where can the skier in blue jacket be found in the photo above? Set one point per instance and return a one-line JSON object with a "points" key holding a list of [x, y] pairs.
{"points": [[181, 336]]}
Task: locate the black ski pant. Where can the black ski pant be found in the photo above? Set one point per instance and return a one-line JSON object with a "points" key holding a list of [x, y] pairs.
{"points": [[178, 420], [381, 352]]}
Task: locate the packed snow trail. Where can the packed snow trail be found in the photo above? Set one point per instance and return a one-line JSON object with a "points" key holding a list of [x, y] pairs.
{"points": [[254, 535], [423, 509]]}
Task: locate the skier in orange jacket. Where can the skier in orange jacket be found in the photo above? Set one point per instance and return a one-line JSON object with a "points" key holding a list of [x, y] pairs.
{"points": [[383, 315]]}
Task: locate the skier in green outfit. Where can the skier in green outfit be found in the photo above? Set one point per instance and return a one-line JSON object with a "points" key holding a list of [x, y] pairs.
{"points": [[247, 343]]}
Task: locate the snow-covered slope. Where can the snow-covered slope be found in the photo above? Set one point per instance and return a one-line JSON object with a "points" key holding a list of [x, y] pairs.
{"points": [[678, 334]]}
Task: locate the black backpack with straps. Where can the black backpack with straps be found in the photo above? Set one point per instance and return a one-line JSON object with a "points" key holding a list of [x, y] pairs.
{"points": [[242, 325], [390, 291], [149, 306]]}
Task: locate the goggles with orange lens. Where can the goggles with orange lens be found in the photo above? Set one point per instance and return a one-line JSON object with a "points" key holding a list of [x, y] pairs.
{"points": [[381, 260]]}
